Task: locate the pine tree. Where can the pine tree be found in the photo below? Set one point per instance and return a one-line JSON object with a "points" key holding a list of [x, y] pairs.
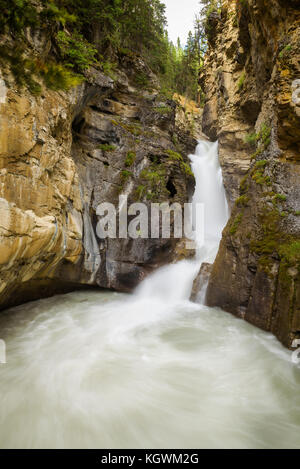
{"points": [[100, 32]]}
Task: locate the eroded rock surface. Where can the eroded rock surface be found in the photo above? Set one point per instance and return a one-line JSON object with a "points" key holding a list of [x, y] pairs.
{"points": [[200, 284], [61, 155], [252, 84]]}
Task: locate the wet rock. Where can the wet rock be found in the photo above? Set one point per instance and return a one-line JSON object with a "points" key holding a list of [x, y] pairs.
{"points": [[256, 118], [61, 155], [200, 284]]}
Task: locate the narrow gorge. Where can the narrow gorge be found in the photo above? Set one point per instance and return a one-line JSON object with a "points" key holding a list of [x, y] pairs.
{"points": [[124, 342], [253, 108], [63, 154]]}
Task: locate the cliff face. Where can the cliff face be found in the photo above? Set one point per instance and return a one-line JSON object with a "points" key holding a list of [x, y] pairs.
{"points": [[252, 83], [64, 153]]}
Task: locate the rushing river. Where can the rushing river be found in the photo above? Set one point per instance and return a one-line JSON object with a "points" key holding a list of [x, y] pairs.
{"points": [[151, 370]]}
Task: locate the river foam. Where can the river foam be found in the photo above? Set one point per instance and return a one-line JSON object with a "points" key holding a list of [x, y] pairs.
{"points": [[150, 370]]}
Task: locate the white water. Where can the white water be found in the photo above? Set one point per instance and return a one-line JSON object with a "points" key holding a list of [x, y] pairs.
{"points": [[97, 369], [173, 283], [210, 192]]}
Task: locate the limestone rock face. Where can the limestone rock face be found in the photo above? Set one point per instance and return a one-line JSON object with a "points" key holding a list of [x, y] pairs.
{"points": [[64, 153], [252, 85]]}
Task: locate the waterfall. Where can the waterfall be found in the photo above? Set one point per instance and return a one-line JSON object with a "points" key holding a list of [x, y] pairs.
{"points": [[174, 282], [94, 369], [211, 193]]}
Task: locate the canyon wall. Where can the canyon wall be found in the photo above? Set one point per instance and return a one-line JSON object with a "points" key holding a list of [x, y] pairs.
{"points": [[251, 78], [64, 153]]}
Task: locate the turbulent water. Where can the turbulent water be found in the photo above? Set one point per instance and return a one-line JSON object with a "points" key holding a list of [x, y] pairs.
{"points": [[152, 370]]}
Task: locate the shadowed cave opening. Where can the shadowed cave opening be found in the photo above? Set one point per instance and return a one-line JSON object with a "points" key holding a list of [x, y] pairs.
{"points": [[171, 188]]}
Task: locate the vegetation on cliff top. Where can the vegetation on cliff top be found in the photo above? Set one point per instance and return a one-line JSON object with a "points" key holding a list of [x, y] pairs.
{"points": [[99, 33], [88, 32]]}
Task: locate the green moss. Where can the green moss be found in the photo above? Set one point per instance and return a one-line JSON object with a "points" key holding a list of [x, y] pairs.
{"points": [[154, 175], [268, 242], [260, 178], [187, 169], [241, 81], [134, 128], [261, 164], [154, 180], [175, 156], [263, 136], [267, 246], [106, 147], [290, 252], [244, 185], [260, 149], [285, 51], [242, 200], [280, 198], [265, 132], [258, 173], [174, 139], [236, 223], [34, 87], [297, 213], [273, 241], [140, 191], [258, 152], [130, 159], [251, 138], [163, 110], [150, 195], [125, 175]]}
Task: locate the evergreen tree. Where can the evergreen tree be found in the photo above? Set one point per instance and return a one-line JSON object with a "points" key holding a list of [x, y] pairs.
{"points": [[100, 32]]}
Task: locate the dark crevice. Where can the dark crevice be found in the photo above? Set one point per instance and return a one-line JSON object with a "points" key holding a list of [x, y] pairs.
{"points": [[171, 188], [78, 124], [155, 159]]}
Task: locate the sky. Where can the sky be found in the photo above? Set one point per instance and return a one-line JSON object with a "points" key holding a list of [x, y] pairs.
{"points": [[180, 15]]}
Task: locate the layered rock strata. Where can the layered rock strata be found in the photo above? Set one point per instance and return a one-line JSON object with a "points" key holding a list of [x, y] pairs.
{"points": [[64, 153], [251, 78]]}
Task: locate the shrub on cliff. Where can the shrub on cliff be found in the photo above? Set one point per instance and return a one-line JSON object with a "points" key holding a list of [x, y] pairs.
{"points": [[100, 32]]}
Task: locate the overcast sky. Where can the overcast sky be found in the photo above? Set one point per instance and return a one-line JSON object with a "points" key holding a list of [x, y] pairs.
{"points": [[180, 14]]}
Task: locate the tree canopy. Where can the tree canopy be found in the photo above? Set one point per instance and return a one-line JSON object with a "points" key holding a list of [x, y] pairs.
{"points": [[87, 32]]}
